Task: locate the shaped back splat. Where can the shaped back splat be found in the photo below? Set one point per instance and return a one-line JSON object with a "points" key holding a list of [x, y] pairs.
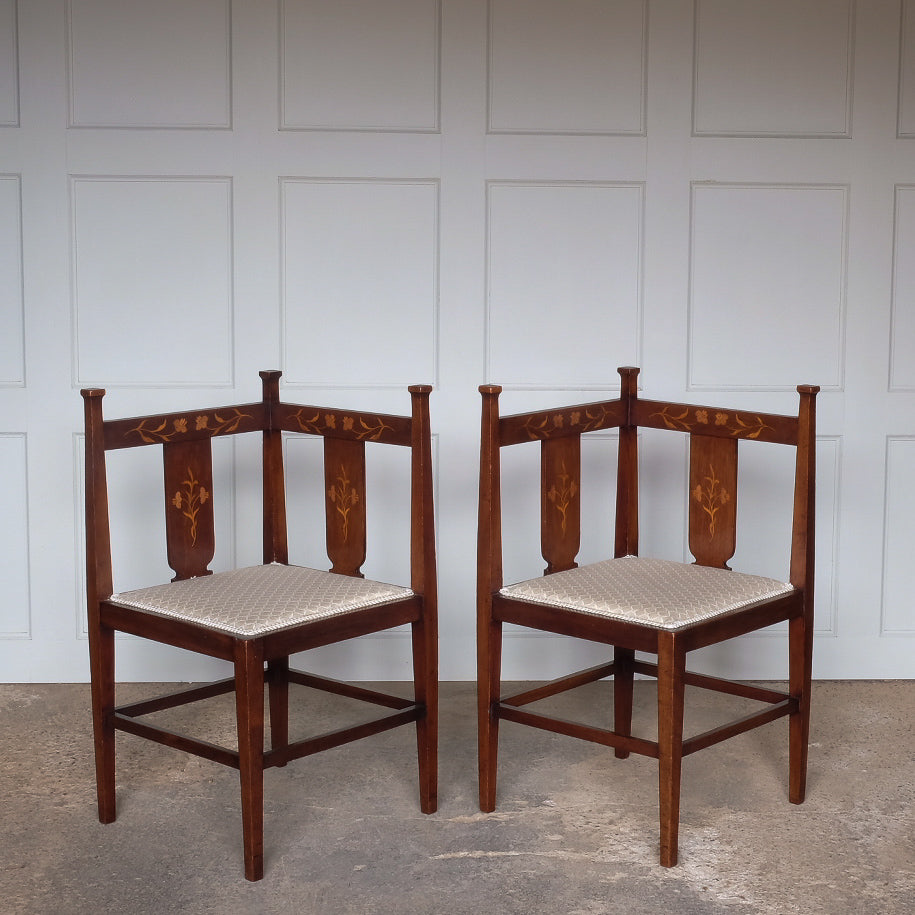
{"points": [[344, 489], [712, 499], [560, 502], [189, 507]]}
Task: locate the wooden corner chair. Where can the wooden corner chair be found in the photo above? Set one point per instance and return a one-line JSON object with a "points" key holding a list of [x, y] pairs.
{"points": [[659, 607], [256, 617]]}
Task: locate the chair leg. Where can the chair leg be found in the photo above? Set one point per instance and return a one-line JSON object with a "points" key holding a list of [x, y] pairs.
{"points": [[800, 662], [101, 659], [425, 691], [671, 670], [249, 709], [278, 691], [489, 678], [622, 695]]}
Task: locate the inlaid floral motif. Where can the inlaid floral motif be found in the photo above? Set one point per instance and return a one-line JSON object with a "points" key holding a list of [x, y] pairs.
{"points": [[562, 496], [190, 501], [161, 433], [680, 420], [711, 497], [683, 421], [165, 432], [320, 425], [344, 497], [542, 425]]}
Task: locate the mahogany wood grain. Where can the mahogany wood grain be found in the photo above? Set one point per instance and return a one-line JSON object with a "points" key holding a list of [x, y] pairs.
{"points": [[560, 502], [712, 499], [190, 535], [344, 492]]}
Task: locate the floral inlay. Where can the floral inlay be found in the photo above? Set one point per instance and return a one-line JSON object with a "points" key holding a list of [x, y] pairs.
{"points": [[165, 432], [540, 426], [682, 421], [161, 433], [222, 423], [563, 496], [318, 425], [679, 421], [190, 501], [344, 497], [711, 497]]}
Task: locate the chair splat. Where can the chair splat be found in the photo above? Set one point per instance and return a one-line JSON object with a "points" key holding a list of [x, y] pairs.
{"points": [[712, 499], [344, 481], [189, 507], [560, 502]]}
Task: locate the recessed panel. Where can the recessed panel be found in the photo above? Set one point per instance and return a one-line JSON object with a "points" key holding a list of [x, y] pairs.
{"points": [[360, 277], [767, 304], [14, 537], [564, 283], [898, 614], [902, 331], [773, 68], [907, 72], [12, 368], [571, 67], [134, 63], [9, 65], [152, 274], [360, 66]]}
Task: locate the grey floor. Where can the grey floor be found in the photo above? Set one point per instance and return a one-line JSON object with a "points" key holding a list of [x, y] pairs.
{"points": [[575, 830]]}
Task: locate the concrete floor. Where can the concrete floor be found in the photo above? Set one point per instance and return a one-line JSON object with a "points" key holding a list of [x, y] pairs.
{"points": [[575, 830]]}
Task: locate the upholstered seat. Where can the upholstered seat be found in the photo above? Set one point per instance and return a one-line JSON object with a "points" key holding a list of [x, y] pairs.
{"points": [[652, 592], [257, 600]]}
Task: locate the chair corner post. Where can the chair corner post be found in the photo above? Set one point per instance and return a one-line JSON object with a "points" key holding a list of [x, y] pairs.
{"points": [[489, 524], [422, 517]]}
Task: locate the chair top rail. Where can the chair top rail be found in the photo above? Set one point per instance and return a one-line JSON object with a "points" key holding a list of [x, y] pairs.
{"points": [[184, 426], [350, 425], [720, 422], [561, 421], [191, 425]]}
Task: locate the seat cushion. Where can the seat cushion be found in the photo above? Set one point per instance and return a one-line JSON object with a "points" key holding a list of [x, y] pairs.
{"points": [[253, 601], [652, 592]]}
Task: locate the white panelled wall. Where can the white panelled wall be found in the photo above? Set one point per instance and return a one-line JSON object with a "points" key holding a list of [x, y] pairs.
{"points": [[373, 193]]}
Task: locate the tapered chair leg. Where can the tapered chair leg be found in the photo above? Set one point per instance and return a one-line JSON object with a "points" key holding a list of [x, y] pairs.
{"points": [[278, 692], [101, 657], [622, 695], [425, 690], [489, 674], [671, 670], [800, 654], [249, 705]]}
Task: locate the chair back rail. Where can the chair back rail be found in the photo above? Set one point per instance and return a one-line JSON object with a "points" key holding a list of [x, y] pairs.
{"points": [[714, 434], [185, 438], [352, 425], [132, 432]]}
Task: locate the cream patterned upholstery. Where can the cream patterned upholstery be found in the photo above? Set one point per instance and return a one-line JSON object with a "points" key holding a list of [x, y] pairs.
{"points": [[253, 601], [654, 592]]}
